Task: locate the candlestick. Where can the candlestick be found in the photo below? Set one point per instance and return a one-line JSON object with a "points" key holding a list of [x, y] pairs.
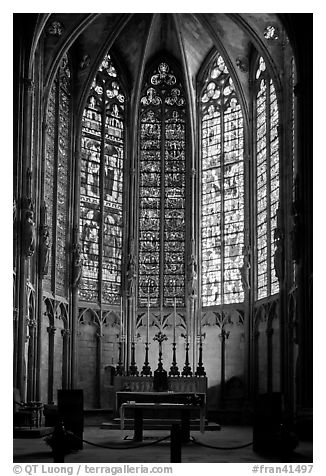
{"points": [[160, 337], [174, 371], [146, 372], [119, 368], [187, 369], [133, 366], [200, 371]]}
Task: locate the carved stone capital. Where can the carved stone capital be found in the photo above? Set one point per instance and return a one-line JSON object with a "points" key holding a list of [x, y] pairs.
{"points": [[271, 33], [55, 28], [31, 323], [201, 337], [65, 333], [242, 63], [51, 330], [85, 62], [224, 335], [29, 85]]}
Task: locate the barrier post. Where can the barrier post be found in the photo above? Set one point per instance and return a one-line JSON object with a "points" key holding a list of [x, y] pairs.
{"points": [[58, 443], [175, 444]]}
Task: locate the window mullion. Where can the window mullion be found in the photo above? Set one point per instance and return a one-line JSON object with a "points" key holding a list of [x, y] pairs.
{"points": [[55, 182], [268, 190], [255, 174], [101, 193], [162, 218], [222, 207]]}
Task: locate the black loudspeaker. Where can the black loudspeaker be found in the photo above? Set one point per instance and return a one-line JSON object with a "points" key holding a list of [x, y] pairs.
{"points": [[71, 412], [272, 432]]}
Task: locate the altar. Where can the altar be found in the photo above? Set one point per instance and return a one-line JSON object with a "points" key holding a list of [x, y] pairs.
{"points": [[141, 390], [162, 405]]}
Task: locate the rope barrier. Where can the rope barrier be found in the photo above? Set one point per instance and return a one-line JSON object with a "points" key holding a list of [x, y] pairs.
{"points": [[109, 447], [116, 447], [219, 447], [46, 434], [40, 436]]}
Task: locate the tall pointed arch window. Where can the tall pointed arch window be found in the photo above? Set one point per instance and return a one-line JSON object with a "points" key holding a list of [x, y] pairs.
{"points": [[162, 181], [222, 178], [101, 192], [267, 181], [57, 178]]}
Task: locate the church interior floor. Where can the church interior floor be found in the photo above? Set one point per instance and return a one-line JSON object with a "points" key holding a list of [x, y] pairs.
{"points": [[37, 451]]}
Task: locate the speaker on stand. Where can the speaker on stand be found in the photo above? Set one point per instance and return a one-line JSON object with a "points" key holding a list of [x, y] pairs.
{"points": [[71, 412], [272, 431]]}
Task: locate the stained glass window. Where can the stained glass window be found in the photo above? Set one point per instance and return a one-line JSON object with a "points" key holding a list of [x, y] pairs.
{"points": [[56, 178], [49, 168], [267, 181], [222, 176], [101, 194], [63, 175], [293, 155], [293, 102], [162, 189]]}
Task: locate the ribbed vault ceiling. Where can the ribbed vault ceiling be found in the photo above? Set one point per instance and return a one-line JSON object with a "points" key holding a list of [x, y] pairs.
{"points": [[137, 38]]}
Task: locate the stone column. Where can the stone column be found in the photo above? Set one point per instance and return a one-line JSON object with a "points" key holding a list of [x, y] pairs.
{"points": [[269, 333], [224, 335], [65, 357], [99, 336], [51, 331], [304, 263], [31, 359]]}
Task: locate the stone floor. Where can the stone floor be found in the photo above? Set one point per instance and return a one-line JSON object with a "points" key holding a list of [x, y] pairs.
{"points": [[36, 450]]}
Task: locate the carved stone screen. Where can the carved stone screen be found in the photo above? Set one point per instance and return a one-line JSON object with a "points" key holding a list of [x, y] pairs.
{"points": [[101, 193], [222, 177], [267, 182], [162, 145]]}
